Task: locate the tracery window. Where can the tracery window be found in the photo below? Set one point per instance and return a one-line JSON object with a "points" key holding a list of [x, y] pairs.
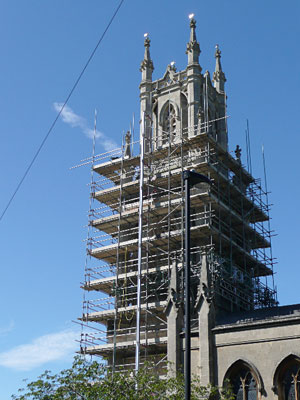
{"points": [[244, 385], [169, 123], [287, 379], [291, 383], [244, 380], [184, 114]]}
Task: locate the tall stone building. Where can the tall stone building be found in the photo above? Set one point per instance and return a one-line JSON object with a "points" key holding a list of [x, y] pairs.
{"points": [[238, 331]]}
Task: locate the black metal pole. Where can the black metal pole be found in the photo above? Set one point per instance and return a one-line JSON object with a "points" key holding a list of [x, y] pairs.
{"points": [[190, 178], [187, 354]]}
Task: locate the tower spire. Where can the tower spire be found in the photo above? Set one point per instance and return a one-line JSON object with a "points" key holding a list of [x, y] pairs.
{"points": [[147, 64], [218, 76], [193, 49]]}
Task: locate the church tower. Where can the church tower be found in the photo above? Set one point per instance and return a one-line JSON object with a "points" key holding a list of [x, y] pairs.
{"points": [[140, 226], [184, 102]]}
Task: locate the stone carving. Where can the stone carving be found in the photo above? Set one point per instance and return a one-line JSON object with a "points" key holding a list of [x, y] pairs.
{"points": [[127, 152], [147, 63], [238, 153]]}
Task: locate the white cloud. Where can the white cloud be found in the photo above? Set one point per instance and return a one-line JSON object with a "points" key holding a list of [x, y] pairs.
{"points": [[76, 121], [41, 350], [4, 330]]}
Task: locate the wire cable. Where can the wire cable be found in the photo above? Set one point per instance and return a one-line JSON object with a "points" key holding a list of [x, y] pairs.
{"points": [[61, 110]]}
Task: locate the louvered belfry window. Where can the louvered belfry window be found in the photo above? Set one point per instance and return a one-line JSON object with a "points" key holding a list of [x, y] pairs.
{"points": [[169, 123]]}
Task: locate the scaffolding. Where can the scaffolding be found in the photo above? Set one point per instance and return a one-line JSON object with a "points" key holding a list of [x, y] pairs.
{"points": [[229, 223]]}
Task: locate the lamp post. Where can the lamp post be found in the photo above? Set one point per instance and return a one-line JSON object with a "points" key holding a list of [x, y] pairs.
{"points": [[190, 179]]}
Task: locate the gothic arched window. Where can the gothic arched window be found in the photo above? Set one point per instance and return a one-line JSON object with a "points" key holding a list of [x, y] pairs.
{"points": [[243, 380], [287, 379], [244, 385], [291, 383], [184, 114], [169, 123], [155, 124]]}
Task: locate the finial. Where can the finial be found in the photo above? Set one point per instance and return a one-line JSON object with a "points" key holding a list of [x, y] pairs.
{"points": [[193, 48], [218, 58], [147, 43], [218, 76], [172, 66], [218, 51], [147, 63], [193, 28], [192, 21], [147, 40]]}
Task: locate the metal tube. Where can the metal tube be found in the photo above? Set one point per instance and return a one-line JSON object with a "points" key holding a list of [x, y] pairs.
{"points": [[190, 178], [140, 237], [118, 262], [187, 354]]}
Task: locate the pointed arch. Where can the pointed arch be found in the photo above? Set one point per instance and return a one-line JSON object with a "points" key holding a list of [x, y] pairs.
{"points": [[286, 380], [168, 121], [245, 380], [155, 123], [184, 113]]}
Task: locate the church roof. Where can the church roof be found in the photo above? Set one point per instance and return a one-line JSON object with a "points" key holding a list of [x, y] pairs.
{"points": [[265, 316]]}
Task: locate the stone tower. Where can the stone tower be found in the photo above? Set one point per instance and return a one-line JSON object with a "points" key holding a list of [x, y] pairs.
{"points": [[183, 126]]}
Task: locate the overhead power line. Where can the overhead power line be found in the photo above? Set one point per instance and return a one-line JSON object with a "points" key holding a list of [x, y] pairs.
{"points": [[60, 111]]}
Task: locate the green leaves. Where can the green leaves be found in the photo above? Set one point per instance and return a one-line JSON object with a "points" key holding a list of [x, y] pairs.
{"points": [[92, 381]]}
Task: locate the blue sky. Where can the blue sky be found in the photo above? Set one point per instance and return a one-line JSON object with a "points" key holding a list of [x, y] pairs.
{"points": [[44, 45]]}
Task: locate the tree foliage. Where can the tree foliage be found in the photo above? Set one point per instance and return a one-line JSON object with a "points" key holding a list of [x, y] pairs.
{"points": [[92, 381]]}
